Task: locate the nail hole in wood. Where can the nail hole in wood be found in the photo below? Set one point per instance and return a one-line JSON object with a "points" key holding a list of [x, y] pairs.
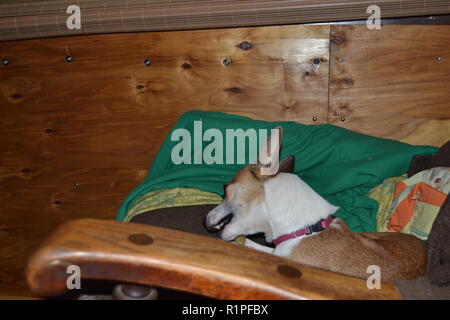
{"points": [[245, 45], [288, 271], [49, 130], [347, 81], [26, 170], [234, 90], [15, 96], [186, 66], [57, 202], [336, 40], [140, 239]]}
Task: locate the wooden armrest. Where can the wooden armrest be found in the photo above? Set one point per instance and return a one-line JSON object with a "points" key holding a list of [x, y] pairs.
{"points": [[130, 252]]}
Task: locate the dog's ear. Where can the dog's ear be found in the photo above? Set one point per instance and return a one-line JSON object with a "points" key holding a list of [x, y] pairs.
{"points": [[268, 159], [287, 165], [268, 164]]}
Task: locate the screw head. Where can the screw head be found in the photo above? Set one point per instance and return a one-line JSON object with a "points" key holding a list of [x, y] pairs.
{"points": [[341, 59], [5, 62], [314, 118], [342, 119], [77, 184], [440, 59], [147, 62], [316, 61], [226, 62], [68, 59]]}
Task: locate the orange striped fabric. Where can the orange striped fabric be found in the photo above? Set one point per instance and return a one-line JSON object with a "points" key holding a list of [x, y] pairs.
{"points": [[405, 210]]}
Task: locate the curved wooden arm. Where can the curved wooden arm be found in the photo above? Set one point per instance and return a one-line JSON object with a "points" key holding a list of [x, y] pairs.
{"points": [[130, 252]]}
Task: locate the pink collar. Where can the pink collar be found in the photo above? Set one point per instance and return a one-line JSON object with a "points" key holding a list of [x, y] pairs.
{"points": [[319, 226]]}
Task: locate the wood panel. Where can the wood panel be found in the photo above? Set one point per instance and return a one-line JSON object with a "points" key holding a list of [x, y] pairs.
{"points": [[100, 119], [34, 201], [107, 110], [393, 82]]}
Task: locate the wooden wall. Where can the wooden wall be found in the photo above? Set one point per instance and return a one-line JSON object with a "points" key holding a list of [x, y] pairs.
{"points": [[392, 83], [76, 137]]}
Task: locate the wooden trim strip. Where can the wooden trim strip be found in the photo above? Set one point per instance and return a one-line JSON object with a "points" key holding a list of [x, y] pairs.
{"points": [[40, 19]]}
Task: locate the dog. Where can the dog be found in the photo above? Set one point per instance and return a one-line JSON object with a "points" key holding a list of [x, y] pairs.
{"points": [[301, 224]]}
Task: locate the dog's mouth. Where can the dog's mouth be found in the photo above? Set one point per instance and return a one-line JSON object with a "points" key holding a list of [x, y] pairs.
{"points": [[222, 223]]}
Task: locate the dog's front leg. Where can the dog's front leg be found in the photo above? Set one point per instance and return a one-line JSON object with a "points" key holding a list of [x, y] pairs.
{"points": [[253, 245]]}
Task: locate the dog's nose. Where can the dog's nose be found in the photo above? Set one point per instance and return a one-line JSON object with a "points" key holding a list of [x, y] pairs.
{"points": [[205, 224]]}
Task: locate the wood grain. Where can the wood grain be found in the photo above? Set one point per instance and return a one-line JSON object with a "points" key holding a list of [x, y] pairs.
{"points": [[107, 110], [34, 201], [110, 250], [100, 119], [391, 83]]}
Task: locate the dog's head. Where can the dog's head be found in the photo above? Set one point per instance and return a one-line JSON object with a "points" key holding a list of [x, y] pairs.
{"points": [[242, 211]]}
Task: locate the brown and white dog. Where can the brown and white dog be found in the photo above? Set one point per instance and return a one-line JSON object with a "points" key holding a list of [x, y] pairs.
{"points": [[300, 222]]}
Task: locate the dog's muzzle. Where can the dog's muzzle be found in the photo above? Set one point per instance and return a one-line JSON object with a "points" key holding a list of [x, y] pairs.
{"points": [[218, 226]]}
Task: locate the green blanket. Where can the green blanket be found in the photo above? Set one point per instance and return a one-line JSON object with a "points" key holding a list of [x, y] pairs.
{"points": [[339, 164]]}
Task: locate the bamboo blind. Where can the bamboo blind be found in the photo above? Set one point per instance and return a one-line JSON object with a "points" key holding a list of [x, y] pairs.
{"points": [[38, 19]]}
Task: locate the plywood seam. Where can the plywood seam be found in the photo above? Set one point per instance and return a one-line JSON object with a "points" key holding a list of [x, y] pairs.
{"points": [[329, 74]]}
